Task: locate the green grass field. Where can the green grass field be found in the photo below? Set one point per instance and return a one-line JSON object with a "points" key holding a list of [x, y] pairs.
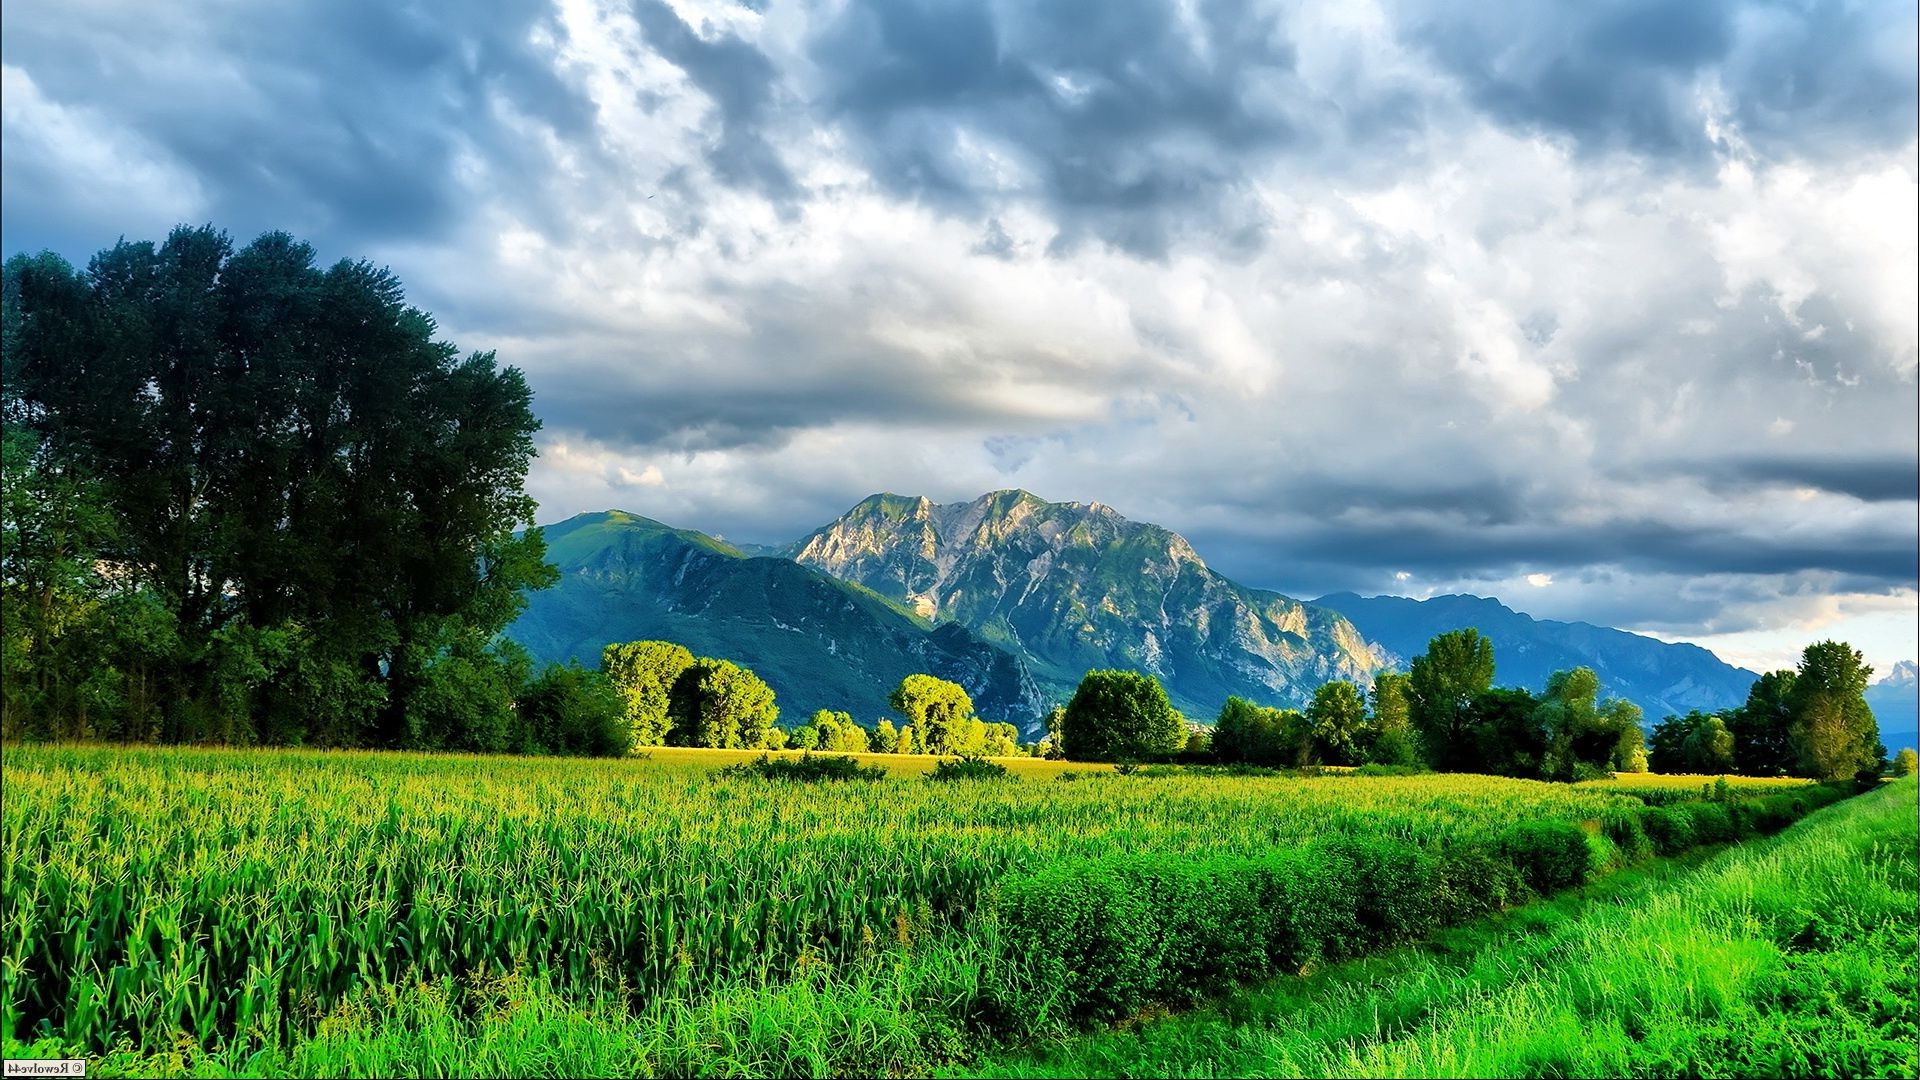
{"points": [[221, 912], [1790, 956]]}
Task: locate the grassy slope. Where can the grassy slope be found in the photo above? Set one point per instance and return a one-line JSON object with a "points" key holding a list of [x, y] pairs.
{"points": [[1791, 956]]}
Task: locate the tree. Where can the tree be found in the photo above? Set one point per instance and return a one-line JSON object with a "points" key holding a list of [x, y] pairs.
{"points": [[1708, 748], [1760, 728], [1391, 738], [1002, 740], [644, 672], [836, 732], [1509, 733], [1056, 741], [1337, 716], [1251, 734], [941, 712], [1905, 761], [1441, 685], [1833, 733], [315, 493], [1586, 737], [718, 703], [1121, 716], [1668, 753], [884, 739], [570, 710]]}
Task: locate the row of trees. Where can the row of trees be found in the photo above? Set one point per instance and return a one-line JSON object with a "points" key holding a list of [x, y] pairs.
{"points": [[1446, 713], [1812, 721], [670, 697], [250, 500]]}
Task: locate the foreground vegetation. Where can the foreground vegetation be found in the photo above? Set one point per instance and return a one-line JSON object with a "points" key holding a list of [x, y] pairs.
{"points": [[352, 913], [1786, 957]]}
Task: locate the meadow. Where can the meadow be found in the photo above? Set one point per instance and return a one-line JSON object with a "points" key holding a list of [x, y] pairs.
{"points": [[223, 912], [1787, 956]]}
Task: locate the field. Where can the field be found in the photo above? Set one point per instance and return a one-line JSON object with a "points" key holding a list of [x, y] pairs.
{"points": [[1791, 956], [266, 913]]}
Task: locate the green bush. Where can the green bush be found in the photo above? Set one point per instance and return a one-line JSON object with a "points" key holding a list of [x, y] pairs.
{"points": [[1712, 823], [807, 768], [968, 768], [1550, 855], [1624, 827], [1669, 827]]}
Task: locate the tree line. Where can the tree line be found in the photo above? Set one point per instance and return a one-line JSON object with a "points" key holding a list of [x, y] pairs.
{"points": [[1445, 713], [669, 697]]}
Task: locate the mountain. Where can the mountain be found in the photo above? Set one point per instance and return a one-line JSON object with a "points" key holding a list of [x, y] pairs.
{"points": [[819, 642], [1658, 676], [1075, 586], [1895, 699]]}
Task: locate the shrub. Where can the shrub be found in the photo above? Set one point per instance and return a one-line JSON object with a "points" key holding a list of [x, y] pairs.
{"points": [[1712, 824], [807, 768], [1624, 827], [1550, 855], [1471, 881], [968, 768], [1669, 827]]}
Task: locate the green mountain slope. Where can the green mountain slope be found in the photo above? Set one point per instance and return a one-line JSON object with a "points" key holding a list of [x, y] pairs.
{"points": [[819, 642], [1074, 586]]}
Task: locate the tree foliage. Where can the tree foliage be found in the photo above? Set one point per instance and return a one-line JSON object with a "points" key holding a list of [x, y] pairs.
{"points": [[940, 713], [643, 673], [718, 703], [1121, 716], [1833, 733], [280, 478], [1441, 685], [1761, 728], [1337, 718]]}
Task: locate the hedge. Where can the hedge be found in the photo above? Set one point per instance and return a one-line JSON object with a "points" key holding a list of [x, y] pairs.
{"points": [[1099, 941]]}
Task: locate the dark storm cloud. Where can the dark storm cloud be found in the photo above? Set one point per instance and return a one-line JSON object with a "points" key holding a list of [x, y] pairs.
{"points": [[1869, 479], [1817, 77], [341, 121], [1135, 126]]}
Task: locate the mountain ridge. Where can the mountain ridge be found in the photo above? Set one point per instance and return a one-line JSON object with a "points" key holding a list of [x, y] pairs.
{"points": [[1075, 586], [819, 642]]}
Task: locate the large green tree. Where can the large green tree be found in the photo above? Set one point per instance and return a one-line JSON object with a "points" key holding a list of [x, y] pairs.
{"points": [[1585, 736], [1337, 717], [643, 674], [1441, 685], [718, 703], [1391, 739], [1121, 716], [316, 496], [1761, 728], [1833, 734], [941, 713]]}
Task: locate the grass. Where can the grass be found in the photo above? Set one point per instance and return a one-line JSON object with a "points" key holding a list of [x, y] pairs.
{"points": [[217, 912], [704, 759], [1792, 956]]}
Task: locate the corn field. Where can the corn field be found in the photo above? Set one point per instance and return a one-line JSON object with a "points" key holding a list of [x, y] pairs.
{"points": [[233, 897]]}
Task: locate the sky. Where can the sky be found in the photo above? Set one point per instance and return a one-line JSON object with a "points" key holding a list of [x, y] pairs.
{"points": [[1606, 309]]}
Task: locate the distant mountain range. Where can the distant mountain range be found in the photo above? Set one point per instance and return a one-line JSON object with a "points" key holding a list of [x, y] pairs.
{"points": [[1659, 677], [1895, 699], [1016, 598], [819, 642]]}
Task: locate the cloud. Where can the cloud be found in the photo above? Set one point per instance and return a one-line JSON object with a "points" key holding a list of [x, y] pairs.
{"points": [[1389, 296]]}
